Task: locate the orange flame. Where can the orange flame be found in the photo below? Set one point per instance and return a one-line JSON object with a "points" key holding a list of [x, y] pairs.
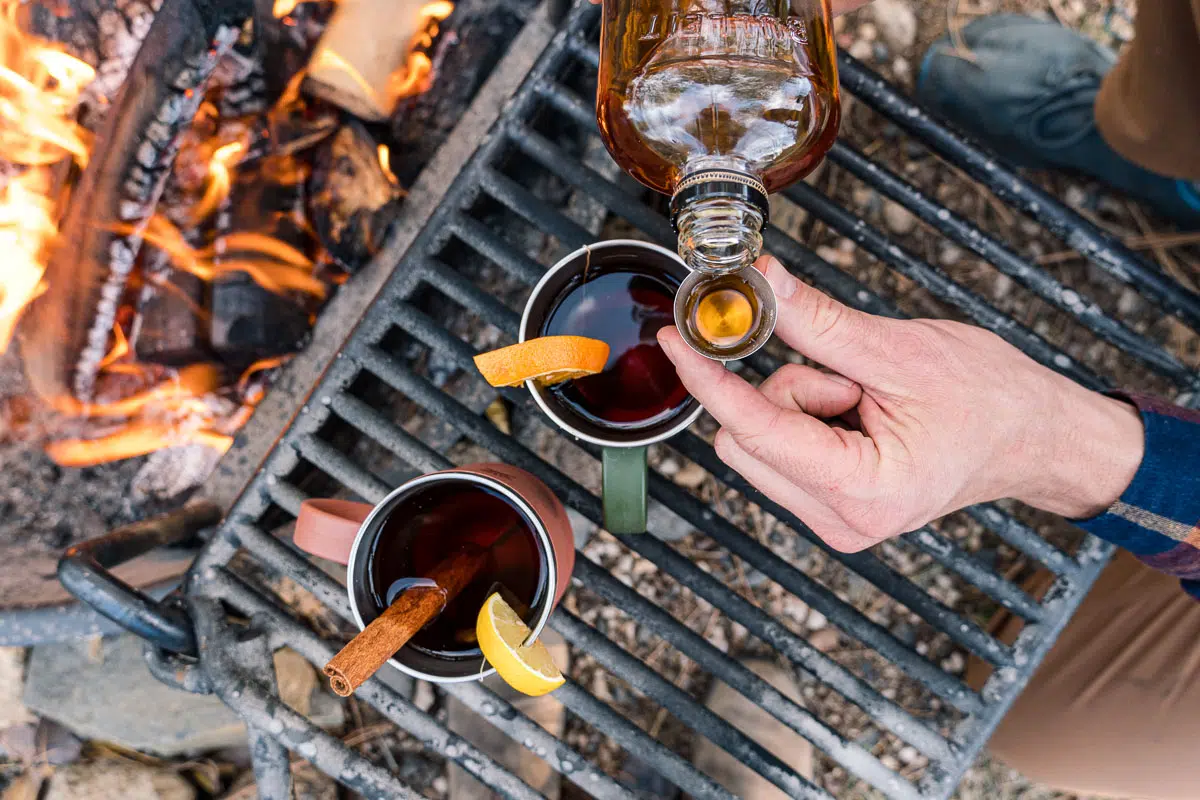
{"points": [[385, 161], [39, 90], [417, 74], [129, 442], [220, 179], [272, 264], [182, 393]]}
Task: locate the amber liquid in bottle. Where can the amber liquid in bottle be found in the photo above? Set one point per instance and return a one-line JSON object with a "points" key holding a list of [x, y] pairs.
{"points": [[687, 85], [718, 103]]}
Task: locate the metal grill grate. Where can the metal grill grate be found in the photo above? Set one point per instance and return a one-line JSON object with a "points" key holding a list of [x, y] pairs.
{"points": [[459, 287]]}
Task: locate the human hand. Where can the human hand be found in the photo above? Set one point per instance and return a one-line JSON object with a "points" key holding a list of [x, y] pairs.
{"points": [[937, 416]]}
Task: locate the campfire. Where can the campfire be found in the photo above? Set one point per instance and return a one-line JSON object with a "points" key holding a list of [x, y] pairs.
{"points": [[179, 197]]}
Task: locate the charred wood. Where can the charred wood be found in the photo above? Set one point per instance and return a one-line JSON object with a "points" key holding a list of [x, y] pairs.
{"points": [[352, 201], [248, 321], [470, 44], [289, 41], [170, 327], [65, 335], [251, 323]]}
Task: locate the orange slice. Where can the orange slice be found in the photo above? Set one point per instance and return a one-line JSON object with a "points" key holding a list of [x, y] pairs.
{"points": [[547, 360]]}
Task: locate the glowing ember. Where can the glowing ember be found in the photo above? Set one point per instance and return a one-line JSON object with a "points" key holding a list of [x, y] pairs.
{"points": [[39, 89]]}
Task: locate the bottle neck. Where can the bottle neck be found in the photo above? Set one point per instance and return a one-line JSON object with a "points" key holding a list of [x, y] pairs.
{"points": [[719, 234]]}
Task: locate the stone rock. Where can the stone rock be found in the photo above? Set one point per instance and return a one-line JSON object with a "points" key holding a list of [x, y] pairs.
{"points": [[902, 69], [752, 720], [40, 742], [582, 528], [896, 22], [1075, 196], [898, 218], [815, 620], [1129, 301], [117, 779], [691, 476], [297, 680], [861, 49], [665, 524], [308, 783], [110, 694], [1001, 286], [954, 663], [12, 687], [868, 32], [423, 696], [949, 254], [835, 256], [824, 640], [670, 466]]}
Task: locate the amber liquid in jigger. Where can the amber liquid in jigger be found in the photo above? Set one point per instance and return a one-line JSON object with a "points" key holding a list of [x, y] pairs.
{"points": [[723, 313]]}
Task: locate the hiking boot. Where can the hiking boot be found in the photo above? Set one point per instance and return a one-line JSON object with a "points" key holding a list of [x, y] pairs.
{"points": [[1027, 88]]}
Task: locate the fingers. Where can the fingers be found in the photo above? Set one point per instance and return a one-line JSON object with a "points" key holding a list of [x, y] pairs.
{"points": [[789, 440], [816, 393], [819, 327], [821, 519]]}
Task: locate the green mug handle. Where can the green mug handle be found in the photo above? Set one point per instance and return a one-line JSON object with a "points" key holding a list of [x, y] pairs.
{"points": [[625, 489]]}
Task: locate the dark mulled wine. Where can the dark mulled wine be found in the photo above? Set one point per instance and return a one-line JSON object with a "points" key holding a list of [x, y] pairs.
{"points": [[625, 308], [441, 520]]}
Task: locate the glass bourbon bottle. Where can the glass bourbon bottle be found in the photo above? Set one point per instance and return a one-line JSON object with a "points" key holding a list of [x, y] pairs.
{"points": [[717, 103]]}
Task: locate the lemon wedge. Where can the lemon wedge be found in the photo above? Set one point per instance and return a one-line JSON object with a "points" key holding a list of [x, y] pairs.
{"points": [[502, 634]]}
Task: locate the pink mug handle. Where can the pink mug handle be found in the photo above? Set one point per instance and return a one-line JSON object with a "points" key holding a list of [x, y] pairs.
{"points": [[328, 528]]}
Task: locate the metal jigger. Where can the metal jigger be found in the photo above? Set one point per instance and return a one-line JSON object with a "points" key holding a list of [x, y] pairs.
{"points": [[697, 284]]}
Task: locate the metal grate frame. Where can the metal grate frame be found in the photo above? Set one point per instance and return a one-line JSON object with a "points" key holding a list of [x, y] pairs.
{"points": [[387, 349]]}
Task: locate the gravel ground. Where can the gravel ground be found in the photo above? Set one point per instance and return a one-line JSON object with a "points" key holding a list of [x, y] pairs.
{"points": [[47, 508]]}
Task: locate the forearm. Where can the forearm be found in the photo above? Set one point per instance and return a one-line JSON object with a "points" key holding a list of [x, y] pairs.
{"points": [[1156, 514]]}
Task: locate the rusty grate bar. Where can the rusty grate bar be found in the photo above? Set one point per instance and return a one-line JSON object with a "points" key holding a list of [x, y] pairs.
{"points": [[518, 180]]}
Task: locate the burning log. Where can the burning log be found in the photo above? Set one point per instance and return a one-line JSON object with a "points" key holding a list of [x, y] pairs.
{"points": [[352, 194], [65, 335], [366, 60]]}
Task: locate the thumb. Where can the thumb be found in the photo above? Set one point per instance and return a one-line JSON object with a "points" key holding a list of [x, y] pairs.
{"points": [[817, 326]]}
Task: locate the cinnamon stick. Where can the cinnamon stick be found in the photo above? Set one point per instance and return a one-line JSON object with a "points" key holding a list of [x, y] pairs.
{"points": [[408, 613]]}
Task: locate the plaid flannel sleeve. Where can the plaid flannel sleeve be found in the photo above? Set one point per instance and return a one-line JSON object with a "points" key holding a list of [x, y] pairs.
{"points": [[1158, 516]]}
